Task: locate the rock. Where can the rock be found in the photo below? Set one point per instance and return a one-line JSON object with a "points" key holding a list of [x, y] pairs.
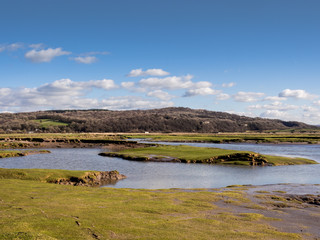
{"points": [[93, 179], [310, 199]]}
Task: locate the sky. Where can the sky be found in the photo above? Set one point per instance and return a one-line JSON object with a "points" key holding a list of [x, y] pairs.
{"points": [[248, 57]]}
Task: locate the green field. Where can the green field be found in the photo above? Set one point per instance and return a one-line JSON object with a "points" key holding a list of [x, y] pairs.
{"points": [[14, 153], [189, 154], [43, 175], [30, 209], [231, 138], [45, 123]]}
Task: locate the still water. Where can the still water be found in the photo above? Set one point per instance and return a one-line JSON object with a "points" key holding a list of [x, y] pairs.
{"points": [[155, 175]]}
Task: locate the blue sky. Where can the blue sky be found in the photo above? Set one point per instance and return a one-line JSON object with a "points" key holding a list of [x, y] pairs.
{"points": [[254, 58]]}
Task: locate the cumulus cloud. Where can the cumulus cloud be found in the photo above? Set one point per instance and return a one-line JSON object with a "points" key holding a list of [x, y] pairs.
{"points": [[67, 86], [171, 83], [126, 103], [150, 72], [37, 45], [85, 60], [4, 92], [160, 94], [247, 96], [88, 58], [201, 91], [106, 84], [228, 85], [274, 106], [11, 47], [94, 53], [131, 86], [274, 98], [68, 94], [297, 94], [222, 96], [317, 103], [45, 55], [276, 114], [127, 85]]}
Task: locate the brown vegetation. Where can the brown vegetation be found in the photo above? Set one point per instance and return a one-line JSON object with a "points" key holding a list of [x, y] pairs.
{"points": [[156, 120]]}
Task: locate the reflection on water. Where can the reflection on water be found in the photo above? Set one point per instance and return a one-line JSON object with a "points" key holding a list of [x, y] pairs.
{"points": [[179, 175]]}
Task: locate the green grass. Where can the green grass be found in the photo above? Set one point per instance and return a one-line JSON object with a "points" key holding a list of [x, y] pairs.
{"points": [[36, 210], [229, 137], [277, 161], [204, 155], [15, 153], [42, 175], [45, 123], [7, 153]]}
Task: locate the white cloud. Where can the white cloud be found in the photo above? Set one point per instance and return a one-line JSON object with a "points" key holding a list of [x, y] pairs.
{"points": [[201, 91], [67, 94], [131, 86], [276, 114], [88, 58], [222, 96], [85, 60], [125, 103], [228, 85], [11, 47], [297, 94], [37, 46], [67, 86], [4, 92], [150, 72], [128, 85], [274, 106], [274, 98], [173, 82], [105, 84], [317, 103], [45, 55], [247, 96], [201, 84], [309, 109], [94, 53], [160, 94]]}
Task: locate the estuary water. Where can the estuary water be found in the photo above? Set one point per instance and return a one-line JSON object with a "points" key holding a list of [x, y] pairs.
{"points": [[156, 175]]}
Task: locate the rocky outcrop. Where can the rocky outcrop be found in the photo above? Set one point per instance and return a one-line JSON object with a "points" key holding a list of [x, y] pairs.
{"points": [[254, 159], [92, 179], [308, 198]]}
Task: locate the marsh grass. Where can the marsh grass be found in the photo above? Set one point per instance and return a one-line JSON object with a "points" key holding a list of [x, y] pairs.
{"points": [[233, 137], [42, 175], [203, 155], [278, 160], [35, 210]]}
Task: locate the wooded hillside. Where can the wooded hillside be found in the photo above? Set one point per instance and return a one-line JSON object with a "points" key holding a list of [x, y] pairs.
{"points": [[155, 120]]}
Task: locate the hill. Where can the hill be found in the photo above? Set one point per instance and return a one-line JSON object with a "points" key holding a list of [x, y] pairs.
{"points": [[155, 120]]}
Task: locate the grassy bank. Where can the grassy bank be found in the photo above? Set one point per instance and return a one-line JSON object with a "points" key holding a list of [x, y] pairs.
{"points": [[189, 154], [36, 210], [42, 175], [5, 154], [232, 138], [66, 177]]}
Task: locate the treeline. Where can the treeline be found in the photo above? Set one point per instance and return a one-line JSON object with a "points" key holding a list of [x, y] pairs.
{"points": [[157, 120]]}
